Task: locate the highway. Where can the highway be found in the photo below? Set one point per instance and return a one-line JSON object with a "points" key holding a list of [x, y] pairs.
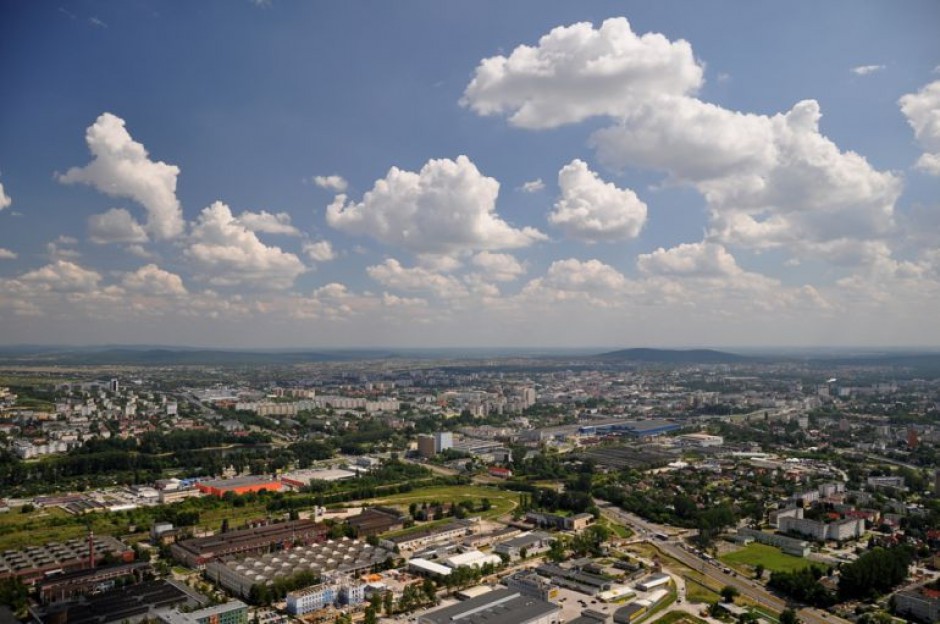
{"points": [[671, 547]]}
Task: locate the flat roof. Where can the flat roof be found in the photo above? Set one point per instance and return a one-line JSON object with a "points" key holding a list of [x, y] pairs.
{"points": [[239, 481], [500, 606]]}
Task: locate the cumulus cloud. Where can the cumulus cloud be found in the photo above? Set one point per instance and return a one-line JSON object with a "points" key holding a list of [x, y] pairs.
{"points": [[268, 223], [61, 248], [499, 267], [576, 72], [592, 210], [864, 70], [115, 226], [447, 207], [5, 200], [589, 281], [331, 182], [228, 253], [690, 259], [6, 254], [392, 274], [769, 181], [122, 168], [922, 110], [532, 186], [320, 251], [63, 276], [152, 280]]}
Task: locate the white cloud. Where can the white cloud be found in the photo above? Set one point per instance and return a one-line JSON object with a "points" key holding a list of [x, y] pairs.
{"points": [[922, 110], [227, 253], [122, 168], [6, 254], [394, 301], [152, 280], [589, 281], [5, 200], [268, 223], [864, 70], [115, 226], [592, 210], [577, 72], [60, 248], [392, 274], [499, 267], [63, 276], [331, 182], [532, 186], [769, 181], [690, 259], [320, 251], [447, 207]]}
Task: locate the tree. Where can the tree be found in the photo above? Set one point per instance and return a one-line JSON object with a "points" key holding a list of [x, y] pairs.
{"points": [[388, 599], [759, 571], [788, 616], [370, 616], [729, 593]]}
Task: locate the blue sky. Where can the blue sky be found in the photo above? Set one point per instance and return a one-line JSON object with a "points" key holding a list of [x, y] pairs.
{"points": [[658, 174]]}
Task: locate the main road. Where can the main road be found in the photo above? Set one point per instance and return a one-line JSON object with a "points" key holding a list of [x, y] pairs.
{"points": [[748, 588]]}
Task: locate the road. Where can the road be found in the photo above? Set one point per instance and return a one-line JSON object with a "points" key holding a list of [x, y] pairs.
{"points": [[748, 588]]}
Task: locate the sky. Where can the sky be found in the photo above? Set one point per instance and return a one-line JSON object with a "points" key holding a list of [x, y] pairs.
{"points": [[470, 174]]}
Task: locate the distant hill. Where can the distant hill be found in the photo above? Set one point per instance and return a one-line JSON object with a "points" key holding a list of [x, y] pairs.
{"points": [[129, 356], [674, 356]]}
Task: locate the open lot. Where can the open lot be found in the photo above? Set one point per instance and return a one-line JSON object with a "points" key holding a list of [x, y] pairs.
{"points": [[502, 501], [747, 558]]}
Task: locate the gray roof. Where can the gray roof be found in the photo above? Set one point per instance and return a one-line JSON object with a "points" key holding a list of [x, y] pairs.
{"points": [[500, 606]]}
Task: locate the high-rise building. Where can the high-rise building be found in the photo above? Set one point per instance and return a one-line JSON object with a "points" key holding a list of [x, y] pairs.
{"points": [[443, 440], [426, 446], [114, 386]]}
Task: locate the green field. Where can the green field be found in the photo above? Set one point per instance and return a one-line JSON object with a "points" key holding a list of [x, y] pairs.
{"points": [[747, 558], [502, 501]]}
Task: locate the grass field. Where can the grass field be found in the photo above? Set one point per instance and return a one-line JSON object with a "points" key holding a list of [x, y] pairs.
{"points": [[502, 501], [747, 558], [617, 529], [679, 617], [697, 591]]}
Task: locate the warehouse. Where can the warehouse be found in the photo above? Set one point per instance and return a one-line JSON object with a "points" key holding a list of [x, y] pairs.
{"points": [[238, 485], [197, 552], [500, 606]]}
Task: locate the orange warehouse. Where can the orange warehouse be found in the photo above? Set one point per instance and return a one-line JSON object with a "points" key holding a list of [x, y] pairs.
{"points": [[238, 485]]}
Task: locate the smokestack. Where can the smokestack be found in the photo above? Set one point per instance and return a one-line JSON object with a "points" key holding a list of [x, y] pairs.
{"points": [[91, 548]]}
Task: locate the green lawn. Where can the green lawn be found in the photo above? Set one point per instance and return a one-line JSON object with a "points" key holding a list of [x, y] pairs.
{"points": [[617, 529], [771, 558]]}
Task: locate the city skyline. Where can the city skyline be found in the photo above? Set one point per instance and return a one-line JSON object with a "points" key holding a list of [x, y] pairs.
{"points": [[537, 175]]}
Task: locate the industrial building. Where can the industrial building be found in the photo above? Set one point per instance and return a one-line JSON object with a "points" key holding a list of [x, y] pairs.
{"points": [[439, 535], [629, 428], [33, 563], [197, 552], [128, 605], [343, 556], [238, 485], [376, 520], [500, 606], [528, 583], [531, 543]]}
